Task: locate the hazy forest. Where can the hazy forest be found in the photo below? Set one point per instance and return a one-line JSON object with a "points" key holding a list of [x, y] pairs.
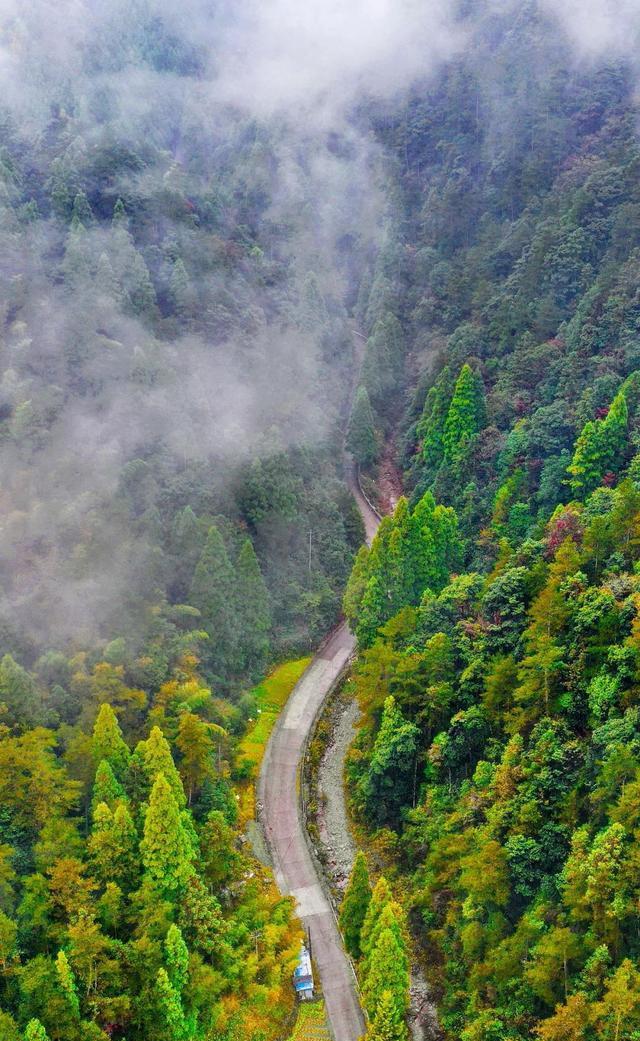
{"points": [[243, 244]]}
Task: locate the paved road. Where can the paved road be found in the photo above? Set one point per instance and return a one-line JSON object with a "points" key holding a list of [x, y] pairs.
{"points": [[279, 801]]}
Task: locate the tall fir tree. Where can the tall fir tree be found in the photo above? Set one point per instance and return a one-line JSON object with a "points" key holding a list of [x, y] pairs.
{"points": [[106, 787], [254, 615], [600, 448], [213, 592], [466, 416], [361, 435], [389, 1023], [156, 758], [166, 848], [380, 897], [355, 905], [389, 971], [108, 743]]}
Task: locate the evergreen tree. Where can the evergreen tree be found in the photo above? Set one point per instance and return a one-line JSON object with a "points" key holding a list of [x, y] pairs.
{"points": [[600, 448], [355, 904], [140, 294], [166, 848], [106, 281], [380, 897], [389, 971], [113, 844], [388, 782], [82, 212], [177, 958], [108, 743], [254, 615], [186, 547], [430, 428], [105, 787], [35, 1031], [170, 1024], [383, 362], [466, 416], [180, 289], [19, 694], [120, 219], [213, 592], [361, 435], [156, 758], [389, 1023]]}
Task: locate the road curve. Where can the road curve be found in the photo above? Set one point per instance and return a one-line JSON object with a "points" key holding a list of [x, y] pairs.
{"points": [[280, 814]]}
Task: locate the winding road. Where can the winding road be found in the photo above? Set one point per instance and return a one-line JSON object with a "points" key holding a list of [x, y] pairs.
{"points": [[280, 814]]}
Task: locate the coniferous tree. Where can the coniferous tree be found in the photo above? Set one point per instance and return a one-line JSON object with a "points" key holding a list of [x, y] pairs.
{"points": [[388, 971], [171, 1022], [186, 547], [156, 758], [600, 447], [254, 615], [380, 897], [213, 592], [355, 904], [106, 788], [180, 288], [430, 428], [361, 436], [82, 212], [466, 416], [108, 743], [177, 958], [166, 848], [389, 1023], [387, 784]]}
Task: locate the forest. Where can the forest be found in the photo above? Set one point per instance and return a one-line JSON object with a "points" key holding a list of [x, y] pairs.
{"points": [[232, 235], [495, 777]]}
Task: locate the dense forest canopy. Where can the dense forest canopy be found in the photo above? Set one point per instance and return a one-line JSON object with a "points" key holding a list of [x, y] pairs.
{"points": [[232, 234], [497, 769]]}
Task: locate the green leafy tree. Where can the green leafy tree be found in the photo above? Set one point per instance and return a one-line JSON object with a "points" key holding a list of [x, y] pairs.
{"points": [[361, 435], [35, 1031], [388, 1023], [106, 787], [108, 743], [388, 782], [67, 984], [354, 906], [166, 848], [389, 972], [466, 416], [213, 592], [430, 428], [600, 448], [253, 610]]}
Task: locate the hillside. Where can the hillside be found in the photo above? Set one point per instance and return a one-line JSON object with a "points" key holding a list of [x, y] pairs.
{"points": [[497, 611]]}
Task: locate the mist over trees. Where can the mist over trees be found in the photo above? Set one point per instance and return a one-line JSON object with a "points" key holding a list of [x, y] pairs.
{"points": [[201, 210]]}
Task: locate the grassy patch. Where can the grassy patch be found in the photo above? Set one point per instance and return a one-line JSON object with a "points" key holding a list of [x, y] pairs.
{"points": [[271, 696], [311, 1024]]}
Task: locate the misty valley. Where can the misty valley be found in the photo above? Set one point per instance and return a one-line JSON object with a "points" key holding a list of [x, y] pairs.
{"points": [[320, 520]]}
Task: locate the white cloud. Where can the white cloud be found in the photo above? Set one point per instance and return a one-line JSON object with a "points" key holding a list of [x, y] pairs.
{"points": [[600, 28], [322, 54]]}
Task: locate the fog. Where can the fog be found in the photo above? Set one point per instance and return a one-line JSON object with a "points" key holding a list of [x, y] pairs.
{"points": [[250, 99]]}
